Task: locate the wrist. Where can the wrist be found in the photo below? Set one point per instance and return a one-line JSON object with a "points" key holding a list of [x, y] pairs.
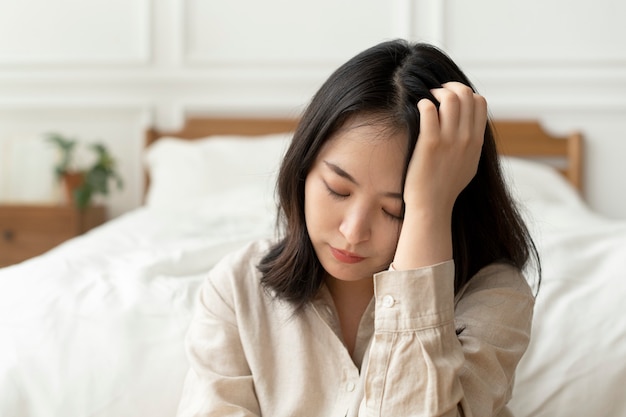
{"points": [[425, 239]]}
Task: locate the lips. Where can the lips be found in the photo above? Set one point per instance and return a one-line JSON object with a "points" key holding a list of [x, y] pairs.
{"points": [[345, 256]]}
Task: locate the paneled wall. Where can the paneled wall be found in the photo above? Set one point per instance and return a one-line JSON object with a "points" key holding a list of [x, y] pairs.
{"points": [[106, 69], [562, 62]]}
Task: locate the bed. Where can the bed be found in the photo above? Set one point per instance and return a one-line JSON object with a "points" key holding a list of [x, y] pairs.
{"points": [[95, 327]]}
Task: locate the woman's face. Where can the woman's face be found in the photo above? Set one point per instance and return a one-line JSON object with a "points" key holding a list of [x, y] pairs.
{"points": [[353, 199]]}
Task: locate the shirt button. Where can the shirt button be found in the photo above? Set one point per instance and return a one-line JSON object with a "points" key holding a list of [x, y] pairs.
{"points": [[388, 301], [350, 386]]}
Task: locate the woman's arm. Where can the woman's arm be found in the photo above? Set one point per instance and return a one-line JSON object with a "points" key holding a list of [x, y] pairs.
{"points": [[426, 358], [444, 161], [429, 358], [219, 382]]}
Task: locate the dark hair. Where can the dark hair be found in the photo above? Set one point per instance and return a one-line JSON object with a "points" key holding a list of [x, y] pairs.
{"points": [[387, 81]]}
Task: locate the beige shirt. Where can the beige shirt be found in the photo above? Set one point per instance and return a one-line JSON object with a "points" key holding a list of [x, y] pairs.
{"points": [[251, 355]]}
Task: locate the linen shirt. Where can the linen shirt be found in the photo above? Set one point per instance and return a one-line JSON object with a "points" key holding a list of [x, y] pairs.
{"points": [[420, 350]]}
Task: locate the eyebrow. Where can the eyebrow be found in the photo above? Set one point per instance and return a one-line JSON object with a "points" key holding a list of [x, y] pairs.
{"points": [[342, 173], [337, 170]]}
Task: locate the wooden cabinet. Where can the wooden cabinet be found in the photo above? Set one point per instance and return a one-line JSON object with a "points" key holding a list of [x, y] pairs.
{"points": [[30, 230]]}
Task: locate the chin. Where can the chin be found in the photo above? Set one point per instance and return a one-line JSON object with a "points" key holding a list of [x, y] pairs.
{"points": [[348, 273]]}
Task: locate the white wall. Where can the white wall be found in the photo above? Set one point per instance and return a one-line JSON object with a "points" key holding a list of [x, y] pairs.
{"points": [[106, 69]]}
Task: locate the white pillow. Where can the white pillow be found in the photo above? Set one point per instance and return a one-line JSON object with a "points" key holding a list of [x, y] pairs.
{"points": [[217, 170], [532, 181]]}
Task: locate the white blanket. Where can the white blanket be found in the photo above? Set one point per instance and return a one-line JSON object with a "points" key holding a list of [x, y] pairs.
{"points": [[96, 326], [576, 362]]}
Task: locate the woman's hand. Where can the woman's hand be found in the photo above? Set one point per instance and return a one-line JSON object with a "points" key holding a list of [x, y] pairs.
{"points": [[448, 148], [444, 161]]}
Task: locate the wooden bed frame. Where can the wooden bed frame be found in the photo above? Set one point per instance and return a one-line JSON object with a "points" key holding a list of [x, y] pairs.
{"points": [[199, 127], [527, 139], [521, 138]]}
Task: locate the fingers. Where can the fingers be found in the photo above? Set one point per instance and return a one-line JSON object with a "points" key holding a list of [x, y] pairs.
{"points": [[462, 113], [429, 119], [454, 109], [448, 148], [463, 97], [480, 115]]}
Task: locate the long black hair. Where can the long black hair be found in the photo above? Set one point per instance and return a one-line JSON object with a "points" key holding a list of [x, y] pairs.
{"points": [[387, 81]]}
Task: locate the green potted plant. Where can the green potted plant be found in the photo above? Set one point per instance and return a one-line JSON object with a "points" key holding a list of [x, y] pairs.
{"points": [[81, 185]]}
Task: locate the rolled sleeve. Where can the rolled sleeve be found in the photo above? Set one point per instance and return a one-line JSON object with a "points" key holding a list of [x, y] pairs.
{"points": [[414, 299], [419, 365]]}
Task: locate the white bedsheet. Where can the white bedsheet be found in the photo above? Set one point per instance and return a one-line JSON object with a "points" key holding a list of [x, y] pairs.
{"points": [[576, 362], [96, 327]]}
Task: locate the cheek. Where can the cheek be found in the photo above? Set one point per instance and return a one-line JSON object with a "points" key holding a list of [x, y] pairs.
{"points": [[314, 206], [389, 235]]}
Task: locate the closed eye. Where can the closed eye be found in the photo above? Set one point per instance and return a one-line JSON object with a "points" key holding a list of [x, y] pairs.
{"points": [[334, 193], [394, 216]]}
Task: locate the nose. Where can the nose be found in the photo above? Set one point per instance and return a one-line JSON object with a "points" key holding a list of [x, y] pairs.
{"points": [[356, 225]]}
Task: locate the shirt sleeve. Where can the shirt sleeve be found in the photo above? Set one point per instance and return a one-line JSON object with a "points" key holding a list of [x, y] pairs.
{"points": [[219, 382], [432, 358]]}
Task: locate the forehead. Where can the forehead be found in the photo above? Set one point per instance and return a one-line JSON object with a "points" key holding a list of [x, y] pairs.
{"points": [[364, 148], [378, 126], [362, 133]]}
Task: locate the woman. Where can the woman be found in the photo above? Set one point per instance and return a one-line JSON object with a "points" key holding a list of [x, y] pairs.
{"points": [[396, 286]]}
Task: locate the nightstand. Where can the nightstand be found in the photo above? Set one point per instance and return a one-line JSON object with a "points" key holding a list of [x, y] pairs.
{"points": [[30, 230]]}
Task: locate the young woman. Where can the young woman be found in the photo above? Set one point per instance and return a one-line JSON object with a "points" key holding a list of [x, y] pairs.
{"points": [[395, 288]]}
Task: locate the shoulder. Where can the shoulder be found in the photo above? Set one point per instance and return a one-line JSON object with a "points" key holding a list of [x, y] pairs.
{"points": [[236, 274], [242, 260], [499, 289], [497, 277]]}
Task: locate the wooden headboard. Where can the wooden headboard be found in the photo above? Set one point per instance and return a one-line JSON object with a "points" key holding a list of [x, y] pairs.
{"points": [[199, 127], [525, 139]]}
